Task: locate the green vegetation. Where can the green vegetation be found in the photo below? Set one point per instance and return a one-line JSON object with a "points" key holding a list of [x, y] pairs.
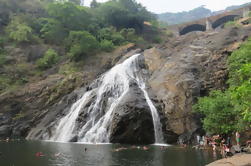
{"points": [[219, 112], [230, 110], [19, 31], [249, 14], [29, 29], [232, 24], [106, 45], [48, 60], [81, 43]]}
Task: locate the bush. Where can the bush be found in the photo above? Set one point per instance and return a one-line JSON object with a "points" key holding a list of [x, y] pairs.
{"points": [[157, 39], [110, 34], [236, 61], [169, 33], [117, 39], [18, 30], [48, 60], [52, 31], [249, 14], [2, 42], [128, 34], [2, 59], [231, 24], [220, 116], [5, 83], [81, 44], [230, 110], [106, 45]]}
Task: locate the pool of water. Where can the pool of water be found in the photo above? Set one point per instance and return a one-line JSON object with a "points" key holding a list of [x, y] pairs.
{"points": [[23, 153]]}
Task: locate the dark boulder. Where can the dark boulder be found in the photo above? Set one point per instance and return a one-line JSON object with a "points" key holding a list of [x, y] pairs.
{"points": [[132, 122], [5, 131]]}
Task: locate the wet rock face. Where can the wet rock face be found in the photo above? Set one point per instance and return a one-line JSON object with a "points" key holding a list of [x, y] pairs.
{"points": [[5, 131], [42, 102], [132, 122], [186, 68], [174, 81], [44, 127]]}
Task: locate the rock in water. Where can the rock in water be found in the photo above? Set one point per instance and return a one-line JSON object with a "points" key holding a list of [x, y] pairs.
{"points": [[5, 131], [132, 122]]}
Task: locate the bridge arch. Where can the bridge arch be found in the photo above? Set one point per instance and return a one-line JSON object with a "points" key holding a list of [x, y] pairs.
{"points": [[223, 20], [191, 28]]}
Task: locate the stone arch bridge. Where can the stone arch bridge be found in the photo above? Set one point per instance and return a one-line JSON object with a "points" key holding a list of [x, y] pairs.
{"points": [[212, 22]]}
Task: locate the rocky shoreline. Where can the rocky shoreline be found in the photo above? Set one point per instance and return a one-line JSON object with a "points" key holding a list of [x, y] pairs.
{"points": [[236, 160]]}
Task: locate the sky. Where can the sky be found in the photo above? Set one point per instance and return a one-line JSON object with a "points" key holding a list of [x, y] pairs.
{"points": [[161, 6]]}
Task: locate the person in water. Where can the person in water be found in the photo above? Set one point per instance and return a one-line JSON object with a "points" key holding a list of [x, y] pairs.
{"points": [[39, 154], [119, 149], [57, 154]]}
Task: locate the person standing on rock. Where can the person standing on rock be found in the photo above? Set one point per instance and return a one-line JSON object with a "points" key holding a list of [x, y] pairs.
{"points": [[237, 136], [229, 141]]}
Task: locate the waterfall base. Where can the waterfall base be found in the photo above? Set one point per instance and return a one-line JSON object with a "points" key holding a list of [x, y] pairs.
{"points": [[132, 122]]}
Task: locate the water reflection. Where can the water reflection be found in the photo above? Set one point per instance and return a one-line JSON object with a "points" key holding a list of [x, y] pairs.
{"points": [[69, 154], [158, 155]]}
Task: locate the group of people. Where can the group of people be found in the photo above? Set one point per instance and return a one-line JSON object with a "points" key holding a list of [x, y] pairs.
{"points": [[222, 143], [132, 147], [9, 140]]}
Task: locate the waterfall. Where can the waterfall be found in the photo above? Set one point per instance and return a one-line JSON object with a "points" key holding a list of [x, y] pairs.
{"points": [[112, 87]]}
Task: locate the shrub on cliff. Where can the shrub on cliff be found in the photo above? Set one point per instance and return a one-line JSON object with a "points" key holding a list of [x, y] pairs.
{"points": [[240, 80], [110, 34], [52, 31], [220, 116], [80, 44], [48, 60], [19, 31], [106, 45], [230, 110]]}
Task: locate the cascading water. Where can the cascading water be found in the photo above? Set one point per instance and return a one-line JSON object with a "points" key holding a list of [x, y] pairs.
{"points": [[112, 87]]}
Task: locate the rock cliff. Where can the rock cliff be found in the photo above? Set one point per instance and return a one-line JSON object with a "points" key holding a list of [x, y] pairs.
{"points": [[180, 70]]}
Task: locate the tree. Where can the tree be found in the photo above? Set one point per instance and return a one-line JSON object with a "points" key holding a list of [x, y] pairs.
{"points": [[125, 14], [236, 61], [77, 2], [19, 31], [81, 44], [52, 30], [106, 45], [230, 110], [48, 60], [94, 4], [71, 16], [240, 80], [220, 116]]}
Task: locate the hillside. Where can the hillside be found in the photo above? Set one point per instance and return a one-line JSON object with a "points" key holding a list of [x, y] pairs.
{"points": [[195, 14], [181, 17]]}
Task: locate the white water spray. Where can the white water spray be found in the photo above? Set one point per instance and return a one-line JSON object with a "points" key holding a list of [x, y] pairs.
{"points": [[113, 86]]}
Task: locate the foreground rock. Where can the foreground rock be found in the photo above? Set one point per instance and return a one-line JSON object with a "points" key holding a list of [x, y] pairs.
{"points": [[237, 160]]}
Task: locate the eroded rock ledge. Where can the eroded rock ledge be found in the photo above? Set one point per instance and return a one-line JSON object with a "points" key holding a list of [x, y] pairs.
{"points": [[188, 67]]}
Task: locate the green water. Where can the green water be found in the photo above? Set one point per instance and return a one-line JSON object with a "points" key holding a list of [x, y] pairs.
{"points": [[23, 153]]}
